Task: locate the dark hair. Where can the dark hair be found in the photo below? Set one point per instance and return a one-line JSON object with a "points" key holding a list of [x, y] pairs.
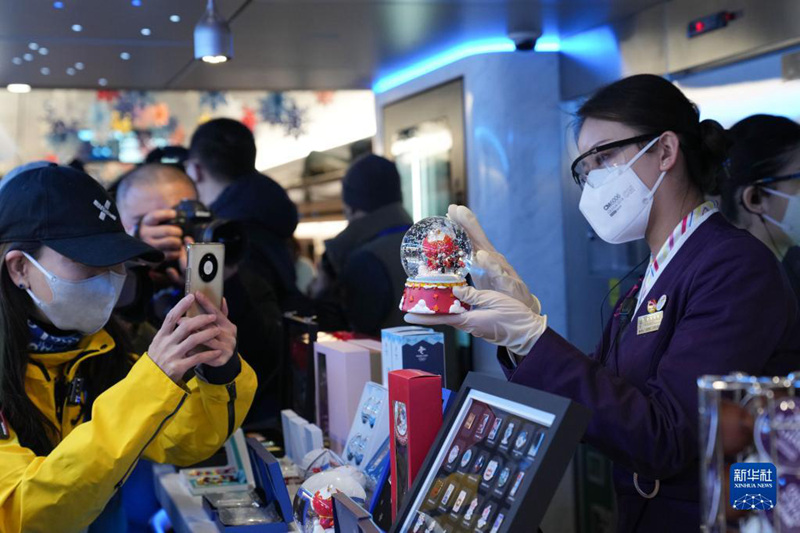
{"points": [[762, 146], [224, 147], [33, 429], [651, 104]]}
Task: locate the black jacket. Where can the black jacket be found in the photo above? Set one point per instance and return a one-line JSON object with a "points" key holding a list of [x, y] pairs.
{"points": [[791, 262], [364, 262], [269, 218]]}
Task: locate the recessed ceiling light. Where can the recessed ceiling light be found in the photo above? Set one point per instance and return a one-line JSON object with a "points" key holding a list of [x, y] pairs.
{"points": [[124, 56], [45, 71], [174, 18], [58, 5], [33, 46], [77, 27], [146, 31], [44, 51], [28, 57], [18, 88], [71, 71], [79, 65], [17, 60], [102, 82], [136, 3]]}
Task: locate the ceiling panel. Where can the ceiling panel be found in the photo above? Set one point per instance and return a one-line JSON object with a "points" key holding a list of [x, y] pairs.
{"points": [[279, 44]]}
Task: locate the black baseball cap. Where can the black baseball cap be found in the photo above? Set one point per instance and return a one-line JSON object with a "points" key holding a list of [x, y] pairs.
{"points": [[68, 211]]}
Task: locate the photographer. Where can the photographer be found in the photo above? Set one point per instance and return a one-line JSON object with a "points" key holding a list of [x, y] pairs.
{"points": [[147, 200], [77, 411], [222, 163]]}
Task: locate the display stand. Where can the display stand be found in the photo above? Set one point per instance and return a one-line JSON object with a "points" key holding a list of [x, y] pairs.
{"points": [[496, 461]]}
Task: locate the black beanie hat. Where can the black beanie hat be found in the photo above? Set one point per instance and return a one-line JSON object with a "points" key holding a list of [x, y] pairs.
{"points": [[371, 182]]}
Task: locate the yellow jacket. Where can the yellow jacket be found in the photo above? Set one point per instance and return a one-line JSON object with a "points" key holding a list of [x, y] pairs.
{"points": [[144, 415]]}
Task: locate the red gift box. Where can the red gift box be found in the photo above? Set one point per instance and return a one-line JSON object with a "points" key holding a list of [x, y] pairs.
{"points": [[415, 399]]}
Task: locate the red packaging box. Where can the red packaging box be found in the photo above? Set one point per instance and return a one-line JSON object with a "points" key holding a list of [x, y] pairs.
{"points": [[415, 416]]}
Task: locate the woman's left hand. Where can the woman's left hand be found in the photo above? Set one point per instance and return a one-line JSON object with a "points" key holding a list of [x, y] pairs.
{"points": [[495, 317], [225, 341]]}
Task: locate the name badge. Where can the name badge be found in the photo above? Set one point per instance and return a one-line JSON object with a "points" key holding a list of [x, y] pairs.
{"points": [[649, 322]]}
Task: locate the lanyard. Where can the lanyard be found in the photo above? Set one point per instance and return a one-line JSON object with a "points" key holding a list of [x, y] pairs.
{"points": [[669, 250]]}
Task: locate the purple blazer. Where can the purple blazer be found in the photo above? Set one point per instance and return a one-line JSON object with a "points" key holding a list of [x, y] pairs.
{"points": [[729, 308]]}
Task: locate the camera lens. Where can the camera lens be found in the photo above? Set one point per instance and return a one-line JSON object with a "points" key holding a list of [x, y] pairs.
{"points": [[208, 267]]}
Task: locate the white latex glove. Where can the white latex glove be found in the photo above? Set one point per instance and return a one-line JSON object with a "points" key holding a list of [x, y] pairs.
{"points": [[490, 269], [495, 317]]}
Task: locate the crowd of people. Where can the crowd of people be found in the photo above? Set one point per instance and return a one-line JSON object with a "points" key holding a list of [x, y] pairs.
{"points": [[92, 301]]}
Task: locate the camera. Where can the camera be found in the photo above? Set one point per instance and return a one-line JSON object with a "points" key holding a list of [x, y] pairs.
{"points": [[525, 41], [198, 222]]}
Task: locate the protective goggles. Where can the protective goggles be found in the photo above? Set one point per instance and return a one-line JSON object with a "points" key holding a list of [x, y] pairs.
{"points": [[605, 156], [776, 179]]}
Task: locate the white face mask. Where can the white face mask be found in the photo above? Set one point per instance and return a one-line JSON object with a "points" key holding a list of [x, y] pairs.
{"points": [[791, 218], [617, 203], [83, 306]]}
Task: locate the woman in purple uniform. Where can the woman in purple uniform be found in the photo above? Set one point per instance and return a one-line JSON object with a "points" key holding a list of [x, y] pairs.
{"points": [[713, 299]]}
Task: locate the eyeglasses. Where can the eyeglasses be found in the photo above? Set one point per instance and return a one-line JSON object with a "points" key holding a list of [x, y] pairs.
{"points": [[776, 179], [604, 156]]}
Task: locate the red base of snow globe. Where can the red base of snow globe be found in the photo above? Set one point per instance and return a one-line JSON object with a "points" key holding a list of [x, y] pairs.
{"points": [[425, 298]]}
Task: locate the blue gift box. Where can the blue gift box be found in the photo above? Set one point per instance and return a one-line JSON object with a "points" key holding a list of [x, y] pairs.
{"points": [[270, 486]]}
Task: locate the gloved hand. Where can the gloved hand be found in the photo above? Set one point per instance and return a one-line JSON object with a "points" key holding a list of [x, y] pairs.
{"points": [[495, 317], [490, 269]]}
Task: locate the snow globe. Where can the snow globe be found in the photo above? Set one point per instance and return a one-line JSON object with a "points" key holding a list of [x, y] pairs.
{"points": [[436, 254]]}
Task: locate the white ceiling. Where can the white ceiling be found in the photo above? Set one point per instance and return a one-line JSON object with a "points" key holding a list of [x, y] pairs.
{"points": [[279, 44]]}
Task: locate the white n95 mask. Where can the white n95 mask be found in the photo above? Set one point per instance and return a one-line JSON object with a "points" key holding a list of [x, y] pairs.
{"points": [[791, 218], [617, 203], [84, 306]]}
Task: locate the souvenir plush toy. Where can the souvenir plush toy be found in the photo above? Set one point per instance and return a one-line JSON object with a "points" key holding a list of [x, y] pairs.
{"points": [[436, 254]]}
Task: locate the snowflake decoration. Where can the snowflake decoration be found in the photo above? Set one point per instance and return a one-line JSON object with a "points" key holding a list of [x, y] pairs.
{"points": [[294, 124], [129, 102], [249, 118], [213, 99], [325, 97], [753, 502], [271, 108], [281, 110]]}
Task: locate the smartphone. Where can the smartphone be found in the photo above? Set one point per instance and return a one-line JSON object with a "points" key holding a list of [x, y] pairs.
{"points": [[204, 273]]}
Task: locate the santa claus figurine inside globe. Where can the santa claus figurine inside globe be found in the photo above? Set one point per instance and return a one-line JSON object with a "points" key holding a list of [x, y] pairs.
{"points": [[436, 254]]}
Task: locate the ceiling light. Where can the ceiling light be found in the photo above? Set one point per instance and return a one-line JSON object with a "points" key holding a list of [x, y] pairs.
{"points": [[79, 65], [58, 5], [124, 56], [136, 3], [28, 57], [102, 82], [214, 59], [77, 27], [174, 18], [213, 40], [45, 71], [33, 46], [71, 71], [17, 60], [19, 88], [44, 51], [146, 31]]}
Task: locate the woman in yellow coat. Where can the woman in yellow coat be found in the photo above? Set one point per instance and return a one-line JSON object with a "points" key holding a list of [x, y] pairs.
{"points": [[76, 410]]}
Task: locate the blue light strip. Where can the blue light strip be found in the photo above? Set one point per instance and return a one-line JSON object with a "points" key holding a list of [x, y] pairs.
{"points": [[472, 48]]}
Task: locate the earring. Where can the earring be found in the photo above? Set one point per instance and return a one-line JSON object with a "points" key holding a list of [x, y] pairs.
{"points": [[22, 286]]}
